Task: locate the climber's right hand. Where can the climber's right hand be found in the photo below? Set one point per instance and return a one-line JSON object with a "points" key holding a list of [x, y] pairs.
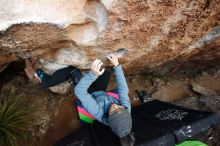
{"points": [[113, 59], [96, 66]]}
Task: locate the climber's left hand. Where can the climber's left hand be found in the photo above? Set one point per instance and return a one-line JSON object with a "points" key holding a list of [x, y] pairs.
{"points": [[96, 66]]}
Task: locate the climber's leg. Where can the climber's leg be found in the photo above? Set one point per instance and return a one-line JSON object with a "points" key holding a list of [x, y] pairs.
{"points": [[76, 75], [56, 78]]}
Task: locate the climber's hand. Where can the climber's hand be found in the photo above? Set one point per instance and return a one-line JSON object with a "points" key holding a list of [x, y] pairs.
{"points": [[95, 68], [114, 59]]}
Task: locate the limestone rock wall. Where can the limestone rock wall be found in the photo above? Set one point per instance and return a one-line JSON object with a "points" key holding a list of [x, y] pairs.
{"points": [[160, 35]]}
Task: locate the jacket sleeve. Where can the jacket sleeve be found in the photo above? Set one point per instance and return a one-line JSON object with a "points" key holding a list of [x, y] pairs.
{"points": [[122, 87], [88, 102]]}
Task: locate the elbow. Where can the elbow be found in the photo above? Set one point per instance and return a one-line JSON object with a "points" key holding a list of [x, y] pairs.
{"points": [[80, 93]]}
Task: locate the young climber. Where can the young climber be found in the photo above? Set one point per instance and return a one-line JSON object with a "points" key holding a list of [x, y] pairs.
{"points": [[90, 89], [106, 109]]}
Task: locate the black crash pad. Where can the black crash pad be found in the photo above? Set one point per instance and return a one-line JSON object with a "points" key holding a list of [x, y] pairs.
{"points": [[182, 122], [145, 134], [155, 123]]}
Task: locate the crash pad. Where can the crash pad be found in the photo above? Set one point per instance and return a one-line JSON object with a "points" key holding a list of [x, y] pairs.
{"points": [[155, 123], [182, 122]]}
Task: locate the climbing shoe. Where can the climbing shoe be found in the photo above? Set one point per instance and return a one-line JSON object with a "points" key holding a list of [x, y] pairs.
{"points": [[39, 74]]}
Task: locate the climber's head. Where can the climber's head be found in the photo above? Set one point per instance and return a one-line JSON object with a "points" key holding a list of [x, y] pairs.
{"points": [[120, 121]]}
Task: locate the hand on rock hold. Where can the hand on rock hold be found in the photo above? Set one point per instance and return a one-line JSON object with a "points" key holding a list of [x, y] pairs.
{"points": [[96, 66], [113, 59]]}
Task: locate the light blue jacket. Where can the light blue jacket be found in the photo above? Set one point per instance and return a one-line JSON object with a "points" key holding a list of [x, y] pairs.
{"points": [[98, 103]]}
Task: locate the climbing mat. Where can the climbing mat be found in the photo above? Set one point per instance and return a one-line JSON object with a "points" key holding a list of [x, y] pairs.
{"points": [[155, 123], [182, 122]]}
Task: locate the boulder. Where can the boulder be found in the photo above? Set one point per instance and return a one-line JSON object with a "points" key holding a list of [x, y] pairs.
{"points": [[202, 90], [207, 84], [172, 91], [160, 36]]}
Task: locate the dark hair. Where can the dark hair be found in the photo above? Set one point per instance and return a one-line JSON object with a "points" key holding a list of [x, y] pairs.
{"points": [[128, 140]]}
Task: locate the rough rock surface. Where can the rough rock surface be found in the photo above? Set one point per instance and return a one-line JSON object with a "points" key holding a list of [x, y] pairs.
{"points": [[210, 83], [202, 90], [174, 90], [165, 36]]}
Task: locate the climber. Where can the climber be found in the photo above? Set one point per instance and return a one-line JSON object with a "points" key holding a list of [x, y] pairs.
{"points": [[90, 90]]}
